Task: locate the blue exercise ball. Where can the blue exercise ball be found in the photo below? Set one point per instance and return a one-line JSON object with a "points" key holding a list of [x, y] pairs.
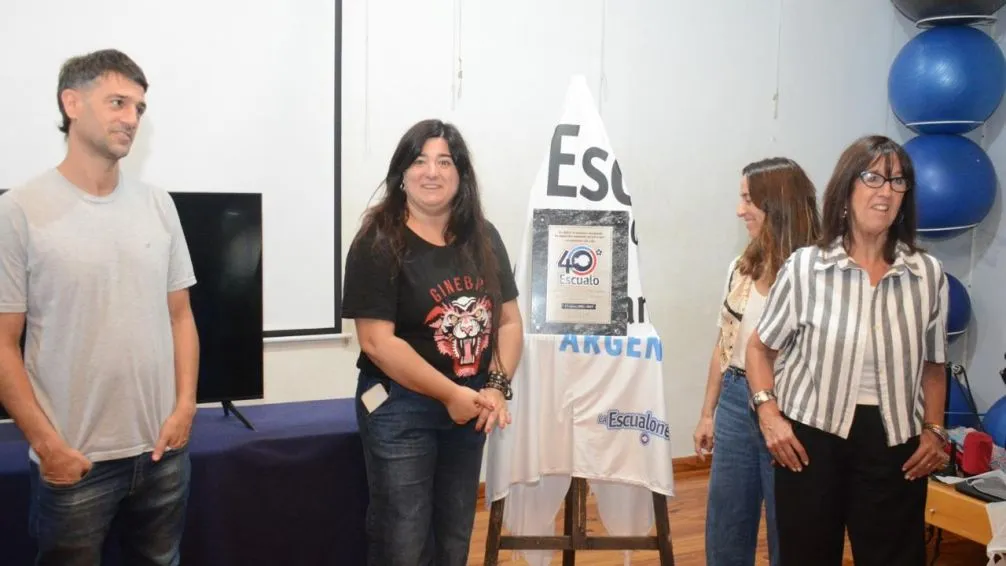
{"points": [[955, 183], [947, 80], [959, 311], [942, 12], [994, 422]]}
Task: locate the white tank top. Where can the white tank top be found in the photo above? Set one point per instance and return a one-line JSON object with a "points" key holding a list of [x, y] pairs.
{"points": [[752, 312], [868, 388]]}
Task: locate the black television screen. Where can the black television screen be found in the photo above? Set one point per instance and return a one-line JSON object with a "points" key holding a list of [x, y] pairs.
{"points": [[224, 236]]}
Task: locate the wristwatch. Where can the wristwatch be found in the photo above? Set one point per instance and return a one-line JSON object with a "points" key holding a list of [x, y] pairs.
{"points": [[763, 396]]}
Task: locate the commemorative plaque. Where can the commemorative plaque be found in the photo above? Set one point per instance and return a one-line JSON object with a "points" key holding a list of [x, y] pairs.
{"points": [[579, 272]]}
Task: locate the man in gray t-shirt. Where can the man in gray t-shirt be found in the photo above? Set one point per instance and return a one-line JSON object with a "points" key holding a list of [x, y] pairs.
{"points": [[94, 268]]}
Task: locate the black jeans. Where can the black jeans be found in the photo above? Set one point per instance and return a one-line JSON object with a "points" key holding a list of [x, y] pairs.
{"points": [[856, 483]]}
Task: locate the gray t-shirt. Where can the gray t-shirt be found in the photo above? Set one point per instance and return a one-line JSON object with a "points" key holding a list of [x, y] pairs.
{"points": [[93, 275]]}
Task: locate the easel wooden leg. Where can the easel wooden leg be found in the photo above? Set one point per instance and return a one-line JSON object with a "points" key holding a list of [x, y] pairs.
{"points": [[495, 528], [574, 535], [575, 520], [663, 524]]}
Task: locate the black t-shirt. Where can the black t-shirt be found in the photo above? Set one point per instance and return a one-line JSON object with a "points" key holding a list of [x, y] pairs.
{"points": [[441, 309]]}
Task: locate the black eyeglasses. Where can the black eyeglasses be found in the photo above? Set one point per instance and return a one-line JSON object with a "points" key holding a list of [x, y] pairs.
{"points": [[876, 180]]}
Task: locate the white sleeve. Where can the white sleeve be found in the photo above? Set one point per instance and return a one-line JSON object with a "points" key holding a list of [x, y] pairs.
{"points": [[180, 271], [726, 291], [13, 257]]}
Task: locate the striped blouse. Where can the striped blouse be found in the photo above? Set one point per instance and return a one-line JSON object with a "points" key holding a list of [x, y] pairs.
{"points": [[817, 315]]}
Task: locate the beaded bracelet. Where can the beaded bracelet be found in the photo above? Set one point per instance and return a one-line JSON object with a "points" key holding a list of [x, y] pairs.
{"points": [[498, 380]]}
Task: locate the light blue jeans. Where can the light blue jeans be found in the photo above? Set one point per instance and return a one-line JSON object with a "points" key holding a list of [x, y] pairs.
{"points": [[741, 479]]}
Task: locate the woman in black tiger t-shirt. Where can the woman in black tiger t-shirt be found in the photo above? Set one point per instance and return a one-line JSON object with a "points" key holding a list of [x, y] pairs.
{"points": [[429, 284]]}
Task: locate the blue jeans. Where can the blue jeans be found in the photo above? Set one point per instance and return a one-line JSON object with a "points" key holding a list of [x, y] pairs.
{"points": [[146, 499], [742, 477], [423, 477]]}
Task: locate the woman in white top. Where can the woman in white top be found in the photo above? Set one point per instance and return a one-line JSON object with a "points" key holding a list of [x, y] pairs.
{"points": [[778, 206], [847, 370]]}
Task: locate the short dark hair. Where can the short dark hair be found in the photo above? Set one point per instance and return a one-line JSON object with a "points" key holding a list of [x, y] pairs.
{"points": [[78, 71], [854, 160]]}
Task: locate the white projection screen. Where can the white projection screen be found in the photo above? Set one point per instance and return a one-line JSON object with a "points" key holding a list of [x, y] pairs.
{"points": [[244, 97]]}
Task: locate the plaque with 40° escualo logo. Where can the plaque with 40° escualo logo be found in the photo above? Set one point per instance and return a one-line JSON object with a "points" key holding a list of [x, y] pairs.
{"points": [[579, 272]]}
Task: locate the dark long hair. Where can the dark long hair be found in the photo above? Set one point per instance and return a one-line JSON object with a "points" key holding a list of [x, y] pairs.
{"points": [[467, 229], [781, 189], [858, 157]]}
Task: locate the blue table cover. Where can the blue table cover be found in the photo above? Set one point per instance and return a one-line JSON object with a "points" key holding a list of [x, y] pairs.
{"points": [[293, 492]]}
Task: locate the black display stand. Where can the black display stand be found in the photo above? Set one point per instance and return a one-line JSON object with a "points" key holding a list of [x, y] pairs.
{"points": [[230, 408]]}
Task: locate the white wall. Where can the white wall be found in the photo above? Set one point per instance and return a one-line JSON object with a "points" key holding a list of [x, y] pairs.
{"points": [[685, 110], [230, 109]]}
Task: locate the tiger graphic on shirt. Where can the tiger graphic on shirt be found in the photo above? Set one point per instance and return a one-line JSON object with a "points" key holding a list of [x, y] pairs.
{"points": [[462, 327]]}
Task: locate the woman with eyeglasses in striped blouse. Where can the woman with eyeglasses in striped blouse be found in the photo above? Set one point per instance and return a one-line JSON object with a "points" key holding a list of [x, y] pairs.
{"points": [[846, 368]]}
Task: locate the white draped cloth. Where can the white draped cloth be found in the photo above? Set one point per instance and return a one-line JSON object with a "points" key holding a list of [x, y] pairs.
{"points": [[584, 406]]}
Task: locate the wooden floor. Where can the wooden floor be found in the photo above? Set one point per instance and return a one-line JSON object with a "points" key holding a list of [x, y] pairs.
{"points": [[687, 515]]}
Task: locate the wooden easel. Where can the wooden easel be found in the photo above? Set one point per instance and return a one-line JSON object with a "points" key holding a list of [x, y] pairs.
{"points": [[575, 532]]}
